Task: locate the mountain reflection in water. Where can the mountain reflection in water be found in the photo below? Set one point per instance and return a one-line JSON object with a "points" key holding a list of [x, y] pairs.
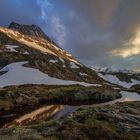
{"points": [[53, 112], [42, 114]]}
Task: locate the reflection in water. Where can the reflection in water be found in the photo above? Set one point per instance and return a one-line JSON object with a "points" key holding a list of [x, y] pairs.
{"points": [[56, 111], [41, 114], [126, 96]]}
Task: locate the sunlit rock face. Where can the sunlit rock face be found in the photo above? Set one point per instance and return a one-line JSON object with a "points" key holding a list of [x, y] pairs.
{"points": [[43, 54], [33, 36], [31, 30]]}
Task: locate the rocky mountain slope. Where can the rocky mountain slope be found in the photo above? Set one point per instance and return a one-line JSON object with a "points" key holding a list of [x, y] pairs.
{"points": [[30, 30], [29, 43]]}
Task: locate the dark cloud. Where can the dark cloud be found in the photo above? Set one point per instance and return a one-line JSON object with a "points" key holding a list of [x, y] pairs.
{"points": [[89, 29], [21, 11], [102, 26]]}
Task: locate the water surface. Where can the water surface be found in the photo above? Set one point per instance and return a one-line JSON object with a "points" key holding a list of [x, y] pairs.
{"points": [[53, 112]]}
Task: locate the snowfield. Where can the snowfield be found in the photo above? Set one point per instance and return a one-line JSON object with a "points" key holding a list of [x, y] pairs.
{"points": [[12, 48], [115, 80], [18, 74]]}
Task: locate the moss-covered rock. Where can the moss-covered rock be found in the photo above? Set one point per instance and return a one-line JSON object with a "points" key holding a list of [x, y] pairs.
{"points": [[39, 94]]}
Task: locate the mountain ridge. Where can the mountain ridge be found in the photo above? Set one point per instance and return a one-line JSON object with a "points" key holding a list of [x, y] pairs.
{"points": [[31, 30], [39, 43], [122, 77], [42, 54]]}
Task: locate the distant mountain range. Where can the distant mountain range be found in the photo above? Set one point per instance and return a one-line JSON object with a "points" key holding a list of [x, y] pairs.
{"points": [[125, 78]]}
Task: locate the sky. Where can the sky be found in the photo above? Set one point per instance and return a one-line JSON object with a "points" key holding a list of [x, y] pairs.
{"points": [[102, 33]]}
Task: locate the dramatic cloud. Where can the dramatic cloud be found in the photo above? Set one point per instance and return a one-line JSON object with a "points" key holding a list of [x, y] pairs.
{"points": [[97, 32], [131, 48]]}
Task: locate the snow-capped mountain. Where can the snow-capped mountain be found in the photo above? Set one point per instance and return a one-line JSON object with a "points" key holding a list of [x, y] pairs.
{"points": [[111, 70], [30, 30], [125, 78], [33, 37], [29, 46]]}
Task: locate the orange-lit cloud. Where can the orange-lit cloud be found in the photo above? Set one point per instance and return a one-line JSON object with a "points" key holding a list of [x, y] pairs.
{"points": [[131, 47]]}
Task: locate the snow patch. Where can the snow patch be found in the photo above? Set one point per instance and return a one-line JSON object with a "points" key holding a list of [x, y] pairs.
{"points": [[97, 85], [12, 48], [18, 75], [115, 80], [73, 65], [26, 52], [116, 88], [53, 61], [83, 74]]}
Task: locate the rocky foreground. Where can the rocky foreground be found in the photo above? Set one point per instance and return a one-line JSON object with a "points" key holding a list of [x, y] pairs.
{"points": [[120, 121], [30, 95]]}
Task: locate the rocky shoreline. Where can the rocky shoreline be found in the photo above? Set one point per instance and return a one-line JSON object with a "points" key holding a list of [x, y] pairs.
{"points": [[30, 95], [117, 122], [16, 101], [113, 121]]}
